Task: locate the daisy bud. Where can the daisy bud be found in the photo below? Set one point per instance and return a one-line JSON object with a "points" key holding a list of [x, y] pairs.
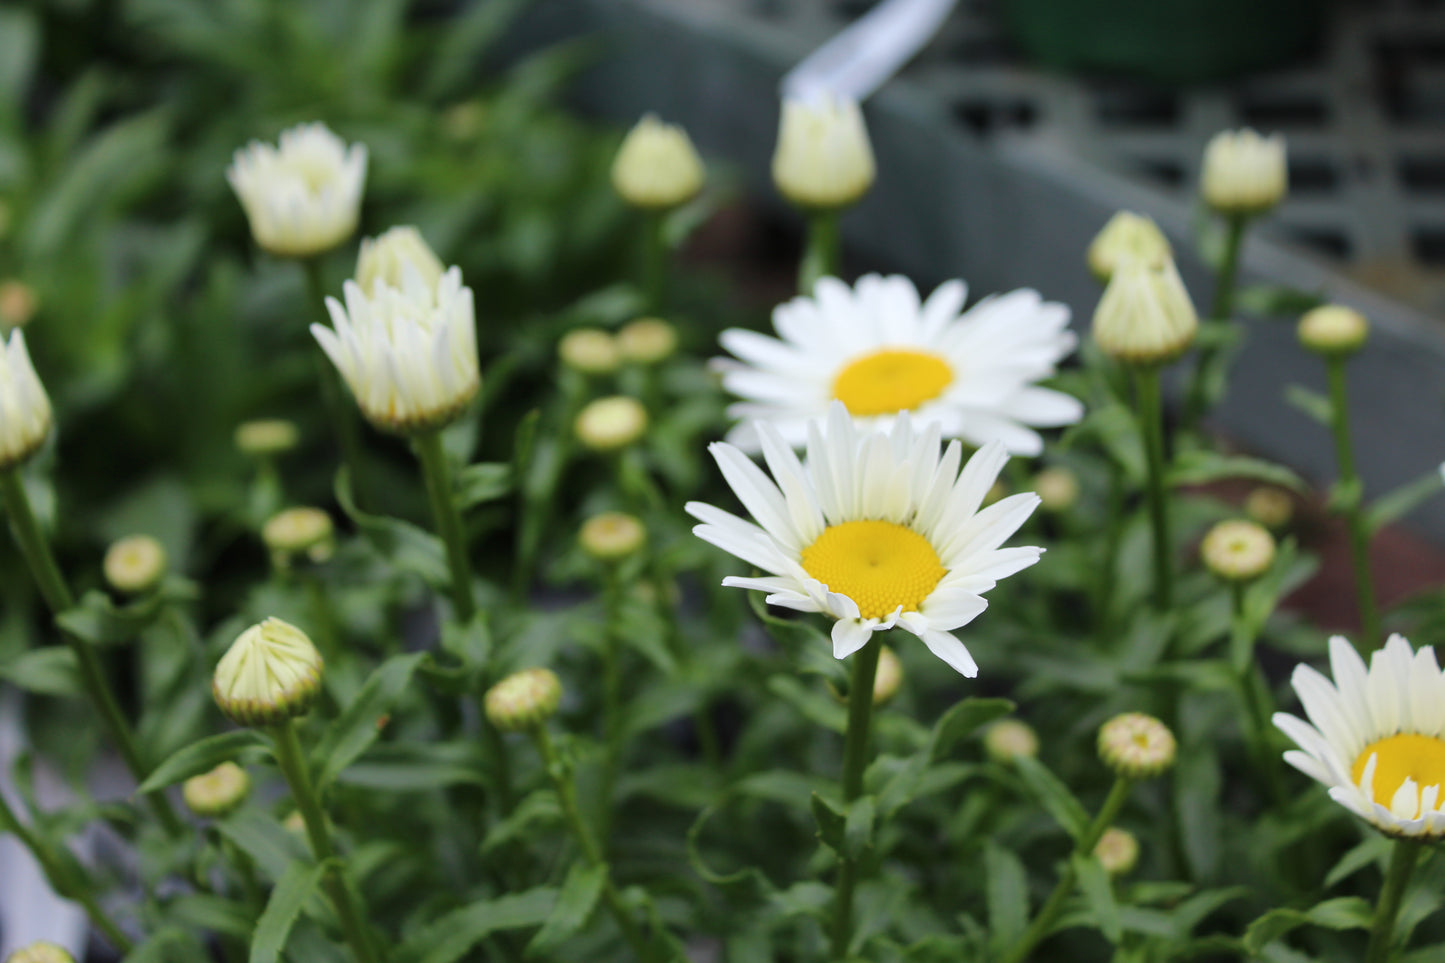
{"points": [[647, 340], [612, 536], [41, 952], [656, 167], [823, 160], [24, 406], [135, 564], [303, 197], [266, 437], [1271, 507], [1145, 316], [1333, 330], [609, 424], [1238, 550], [217, 793], [591, 351], [297, 530], [1117, 850], [18, 303], [1057, 488], [390, 257], [888, 678], [1127, 236], [1244, 173], [1009, 739], [295, 823], [524, 700], [1136, 746], [271, 673]]}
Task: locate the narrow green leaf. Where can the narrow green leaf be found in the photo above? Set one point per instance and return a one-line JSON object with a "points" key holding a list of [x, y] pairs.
{"points": [[1372, 849], [1312, 403], [1346, 912], [1053, 795], [575, 901], [962, 720], [1007, 893], [1403, 500], [355, 730], [452, 936], [811, 898], [213, 913], [404, 544], [858, 833], [813, 705], [483, 482], [49, 670], [263, 838], [1202, 467], [166, 945], [199, 757], [831, 822], [1098, 891], [292, 890]]}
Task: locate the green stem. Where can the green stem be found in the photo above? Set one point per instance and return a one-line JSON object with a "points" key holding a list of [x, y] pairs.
{"points": [[449, 523], [611, 691], [352, 915], [1048, 915], [58, 598], [567, 795], [333, 395], [654, 261], [1354, 509], [1397, 878], [855, 761], [1151, 424], [1254, 693], [1221, 309], [821, 255]]}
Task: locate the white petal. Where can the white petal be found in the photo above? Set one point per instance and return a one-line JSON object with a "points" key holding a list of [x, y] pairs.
{"points": [[850, 635]]}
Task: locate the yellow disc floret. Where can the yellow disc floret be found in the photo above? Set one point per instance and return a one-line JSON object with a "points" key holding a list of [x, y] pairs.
{"points": [[889, 381], [879, 565], [1401, 757]]}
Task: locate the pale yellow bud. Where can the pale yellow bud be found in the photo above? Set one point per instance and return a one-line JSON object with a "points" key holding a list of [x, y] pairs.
{"points": [[271, 673], [647, 340], [1117, 851], [1237, 550], [1271, 507], [266, 437], [1333, 330], [41, 952], [888, 678], [217, 793], [1057, 488], [135, 564], [1009, 739], [612, 536], [523, 700], [294, 823], [1243, 172], [1136, 746], [24, 407], [18, 303], [824, 160], [609, 424], [1145, 316], [657, 168], [391, 257], [591, 351], [303, 196], [297, 530], [1127, 237]]}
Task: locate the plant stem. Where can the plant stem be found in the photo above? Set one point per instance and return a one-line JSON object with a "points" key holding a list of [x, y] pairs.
{"points": [[855, 760], [1253, 692], [1354, 508], [58, 598], [449, 523], [1221, 309], [1151, 425], [567, 795], [333, 396], [1048, 915], [353, 916], [821, 255], [654, 261], [611, 691], [1397, 878]]}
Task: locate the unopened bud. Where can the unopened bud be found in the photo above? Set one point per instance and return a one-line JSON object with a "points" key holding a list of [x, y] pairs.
{"points": [[1145, 316], [41, 952], [299, 530], [294, 823], [1237, 550], [1136, 746], [609, 424], [888, 678], [135, 564], [18, 303], [1117, 851], [823, 160], [1333, 330], [399, 259], [647, 340], [1244, 173], [1271, 507], [1007, 740], [591, 351], [266, 437], [1127, 237], [217, 793], [25, 414], [271, 673], [524, 700], [612, 536], [1057, 488], [656, 167]]}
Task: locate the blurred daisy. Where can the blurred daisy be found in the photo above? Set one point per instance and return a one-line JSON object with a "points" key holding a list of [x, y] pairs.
{"points": [[1378, 736], [303, 196], [876, 530], [881, 352]]}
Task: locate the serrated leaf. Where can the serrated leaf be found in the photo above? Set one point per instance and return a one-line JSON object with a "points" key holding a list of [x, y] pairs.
{"points": [[200, 757], [1053, 795], [356, 728], [1098, 892], [292, 891], [1346, 912], [1007, 894], [453, 935], [575, 901]]}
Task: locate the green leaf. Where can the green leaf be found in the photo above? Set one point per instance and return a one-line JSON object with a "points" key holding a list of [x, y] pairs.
{"points": [[1403, 500], [1372, 849], [1098, 891], [810, 898], [578, 896], [1312, 403], [1053, 795], [292, 890], [1344, 913], [1007, 893], [49, 670], [539, 807], [831, 822], [213, 913], [264, 839], [404, 544], [167, 945], [417, 767], [1275, 300], [99, 621], [19, 44], [858, 834], [471, 643], [200, 757], [453, 935], [356, 729], [961, 721], [1197, 785], [483, 482], [815, 707], [1201, 467]]}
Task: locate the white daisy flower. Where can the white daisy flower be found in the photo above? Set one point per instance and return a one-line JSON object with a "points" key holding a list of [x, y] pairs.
{"points": [[303, 196], [881, 352], [876, 530], [1378, 736]]}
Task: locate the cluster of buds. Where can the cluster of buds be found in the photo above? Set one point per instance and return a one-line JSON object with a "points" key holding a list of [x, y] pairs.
{"points": [[524, 700]]}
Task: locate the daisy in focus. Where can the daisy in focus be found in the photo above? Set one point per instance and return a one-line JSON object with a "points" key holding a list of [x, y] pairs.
{"points": [[876, 530], [881, 352], [1375, 737]]}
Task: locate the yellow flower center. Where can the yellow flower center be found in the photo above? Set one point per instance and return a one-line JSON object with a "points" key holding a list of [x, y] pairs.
{"points": [[889, 381], [879, 565], [1406, 756]]}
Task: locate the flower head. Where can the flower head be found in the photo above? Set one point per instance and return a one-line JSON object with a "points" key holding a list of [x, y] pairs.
{"points": [[612, 536], [1271, 507], [303, 197], [24, 406], [1117, 850], [271, 673], [41, 952], [591, 351], [523, 700], [391, 257], [134, 564], [657, 167], [1243, 172], [878, 350], [1136, 746], [1145, 316], [1127, 237], [609, 424], [1009, 739], [266, 437], [876, 531], [1237, 550], [1333, 330], [823, 159], [217, 793], [647, 340], [294, 531], [408, 354], [1375, 737]]}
